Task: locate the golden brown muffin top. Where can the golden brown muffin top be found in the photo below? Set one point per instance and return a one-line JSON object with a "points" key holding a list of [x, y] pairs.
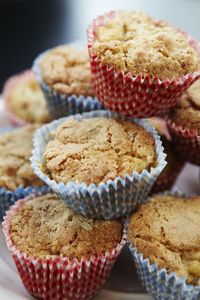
{"points": [[97, 149], [187, 111], [167, 231], [27, 101], [134, 42], [46, 226], [15, 153], [67, 70]]}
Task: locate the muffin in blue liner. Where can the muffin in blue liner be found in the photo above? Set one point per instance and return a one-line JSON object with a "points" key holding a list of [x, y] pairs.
{"points": [[158, 282], [62, 104], [8, 198], [113, 199]]}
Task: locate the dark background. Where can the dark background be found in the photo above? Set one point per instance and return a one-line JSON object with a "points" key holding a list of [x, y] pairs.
{"points": [[28, 27]]}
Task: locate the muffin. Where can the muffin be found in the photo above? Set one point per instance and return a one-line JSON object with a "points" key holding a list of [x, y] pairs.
{"points": [[184, 125], [187, 111], [67, 70], [15, 152], [64, 75], [135, 55], [101, 165], [121, 147], [134, 42], [25, 101], [174, 165], [77, 253], [17, 178], [168, 245]]}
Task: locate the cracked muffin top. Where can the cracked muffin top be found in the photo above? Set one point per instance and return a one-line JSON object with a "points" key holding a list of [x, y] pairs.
{"points": [[15, 153], [187, 112], [46, 226], [166, 230], [67, 70], [97, 149], [27, 101], [134, 42]]}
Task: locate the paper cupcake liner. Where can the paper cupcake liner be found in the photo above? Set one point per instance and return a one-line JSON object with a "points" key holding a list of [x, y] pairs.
{"points": [[135, 96], [8, 198], [165, 182], [11, 83], [60, 105], [110, 200], [57, 277], [186, 142], [158, 282]]}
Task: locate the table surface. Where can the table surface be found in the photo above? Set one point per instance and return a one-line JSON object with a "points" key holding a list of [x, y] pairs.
{"points": [[123, 282]]}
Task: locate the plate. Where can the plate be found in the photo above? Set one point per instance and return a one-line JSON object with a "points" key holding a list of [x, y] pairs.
{"points": [[122, 283]]}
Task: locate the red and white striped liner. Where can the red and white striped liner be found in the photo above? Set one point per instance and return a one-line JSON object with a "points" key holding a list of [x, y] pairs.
{"points": [[59, 277], [135, 96], [186, 142], [11, 83]]}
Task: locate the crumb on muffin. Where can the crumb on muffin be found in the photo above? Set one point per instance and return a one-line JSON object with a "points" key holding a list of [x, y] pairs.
{"points": [[15, 153], [67, 70], [134, 42], [187, 111], [45, 226], [95, 150], [26, 100], [166, 230]]}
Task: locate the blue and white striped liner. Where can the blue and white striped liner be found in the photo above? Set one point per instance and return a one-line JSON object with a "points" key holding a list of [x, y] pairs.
{"points": [[110, 200], [158, 282], [60, 105], [8, 198]]}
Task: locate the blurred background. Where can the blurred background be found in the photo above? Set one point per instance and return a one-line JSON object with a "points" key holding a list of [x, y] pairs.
{"points": [[28, 27]]}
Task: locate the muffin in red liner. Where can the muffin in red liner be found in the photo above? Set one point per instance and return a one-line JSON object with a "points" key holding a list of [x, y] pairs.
{"points": [[170, 173], [58, 276], [138, 95], [184, 125], [186, 142], [24, 100]]}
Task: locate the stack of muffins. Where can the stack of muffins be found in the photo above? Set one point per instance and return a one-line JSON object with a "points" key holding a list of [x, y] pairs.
{"points": [[85, 192]]}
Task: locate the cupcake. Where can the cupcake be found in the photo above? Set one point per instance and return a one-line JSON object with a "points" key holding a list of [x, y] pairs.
{"points": [[24, 99], [64, 255], [174, 165], [64, 76], [140, 66], [184, 125], [101, 165], [17, 178], [166, 251]]}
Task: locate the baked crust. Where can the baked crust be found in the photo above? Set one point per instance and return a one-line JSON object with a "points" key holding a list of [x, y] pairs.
{"points": [[15, 153], [67, 70], [166, 230], [27, 101], [97, 149], [46, 226], [134, 42], [187, 111]]}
